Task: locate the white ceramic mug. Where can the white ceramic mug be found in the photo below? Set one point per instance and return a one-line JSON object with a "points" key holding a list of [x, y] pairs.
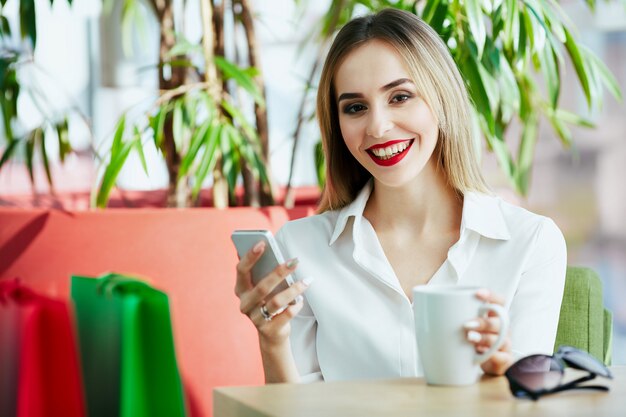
{"points": [[440, 312]]}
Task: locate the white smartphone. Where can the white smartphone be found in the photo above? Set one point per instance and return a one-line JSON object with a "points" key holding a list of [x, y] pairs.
{"points": [[245, 240]]}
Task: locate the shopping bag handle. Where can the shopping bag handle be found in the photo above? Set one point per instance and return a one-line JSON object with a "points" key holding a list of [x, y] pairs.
{"points": [[110, 283]]}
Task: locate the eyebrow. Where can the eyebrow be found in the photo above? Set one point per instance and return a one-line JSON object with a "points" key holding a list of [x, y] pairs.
{"points": [[399, 81]]}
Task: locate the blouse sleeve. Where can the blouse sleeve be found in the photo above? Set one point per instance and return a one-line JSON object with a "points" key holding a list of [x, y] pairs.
{"points": [[303, 331], [537, 302]]}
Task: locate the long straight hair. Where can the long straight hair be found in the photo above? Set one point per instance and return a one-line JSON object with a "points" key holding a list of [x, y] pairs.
{"points": [[438, 81]]}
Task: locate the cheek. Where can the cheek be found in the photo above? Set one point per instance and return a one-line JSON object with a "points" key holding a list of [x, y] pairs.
{"points": [[426, 124]]}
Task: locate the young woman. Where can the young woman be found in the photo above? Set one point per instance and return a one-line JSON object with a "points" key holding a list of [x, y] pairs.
{"points": [[404, 204]]}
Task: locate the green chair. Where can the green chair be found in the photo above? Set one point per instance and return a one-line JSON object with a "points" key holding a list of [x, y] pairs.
{"points": [[584, 322]]}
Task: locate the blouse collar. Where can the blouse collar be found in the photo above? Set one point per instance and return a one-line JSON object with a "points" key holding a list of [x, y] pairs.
{"points": [[482, 213]]}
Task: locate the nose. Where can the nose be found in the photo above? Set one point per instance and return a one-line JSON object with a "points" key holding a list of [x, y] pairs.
{"points": [[378, 123]]}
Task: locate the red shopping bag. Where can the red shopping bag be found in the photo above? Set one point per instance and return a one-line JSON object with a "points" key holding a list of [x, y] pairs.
{"points": [[45, 364]]}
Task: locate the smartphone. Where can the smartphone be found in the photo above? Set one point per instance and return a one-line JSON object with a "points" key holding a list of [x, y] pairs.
{"points": [[245, 240]]}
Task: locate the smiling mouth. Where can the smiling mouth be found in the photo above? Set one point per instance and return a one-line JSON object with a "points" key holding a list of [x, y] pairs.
{"points": [[389, 153]]}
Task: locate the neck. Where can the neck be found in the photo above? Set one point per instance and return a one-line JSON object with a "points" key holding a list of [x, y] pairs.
{"points": [[426, 205]]}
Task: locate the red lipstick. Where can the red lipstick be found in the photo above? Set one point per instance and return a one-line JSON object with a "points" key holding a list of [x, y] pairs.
{"points": [[386, 144], [394, 159]]}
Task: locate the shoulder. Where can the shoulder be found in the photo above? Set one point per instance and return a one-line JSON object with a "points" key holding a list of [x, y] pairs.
{"points": [[523, 222], [539, 234]]}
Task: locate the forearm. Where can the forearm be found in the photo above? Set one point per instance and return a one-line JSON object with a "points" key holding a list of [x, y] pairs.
{"points": [[278, 363]]}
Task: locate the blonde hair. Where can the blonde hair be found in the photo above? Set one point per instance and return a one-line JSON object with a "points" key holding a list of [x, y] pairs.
{"points": [[440, 84]]}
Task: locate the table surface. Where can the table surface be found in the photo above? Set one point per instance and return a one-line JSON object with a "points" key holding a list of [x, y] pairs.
{"points": [[413, 397]]}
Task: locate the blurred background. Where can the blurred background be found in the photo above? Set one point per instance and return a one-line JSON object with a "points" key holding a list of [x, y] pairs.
{"points": [[80, 64]]}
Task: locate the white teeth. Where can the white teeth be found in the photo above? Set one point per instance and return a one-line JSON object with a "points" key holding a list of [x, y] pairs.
{"points": [[388, 152]]}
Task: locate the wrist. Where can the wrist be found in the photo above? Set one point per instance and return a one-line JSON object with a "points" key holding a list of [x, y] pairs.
{"points": [[278, 361], [269, 345]]}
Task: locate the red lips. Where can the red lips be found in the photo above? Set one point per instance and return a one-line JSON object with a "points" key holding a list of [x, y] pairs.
{"points": [[393, 160]]}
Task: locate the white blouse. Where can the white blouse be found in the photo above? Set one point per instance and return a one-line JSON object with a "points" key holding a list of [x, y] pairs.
{"points": [[357, 322]]}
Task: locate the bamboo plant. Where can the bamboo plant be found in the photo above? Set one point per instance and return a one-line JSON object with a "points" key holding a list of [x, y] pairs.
{"points": [[197, 122]]}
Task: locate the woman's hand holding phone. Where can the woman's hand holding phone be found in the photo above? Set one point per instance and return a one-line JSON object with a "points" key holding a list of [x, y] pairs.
{"points": [[269, 311]]}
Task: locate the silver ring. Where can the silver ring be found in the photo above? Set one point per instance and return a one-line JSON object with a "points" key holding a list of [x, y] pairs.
{"points": [[266, 314]]}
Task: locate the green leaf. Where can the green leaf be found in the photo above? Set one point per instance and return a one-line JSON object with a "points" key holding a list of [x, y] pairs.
{"points": [[429, 10], [232, 71], [65, 148], [320, 164], [5, 27], [197, 140], [30, 155], [522, 40], [490, 85], [158, 123], [478, 92], [503, 156], [117, 136], [564, 134], [209, 157], [510, 95], [439, 17], [260, 165], [8, 151], [554, 22], [138, 146], [530, 29], [604, 74], [476, 24], [511, 25], [230, 157], [40, 139], [111, 173], [525, 155], [550, 70], [579, 66], [571, 118], [129, 12], [28, 27], [190, 110], [241, 120]]}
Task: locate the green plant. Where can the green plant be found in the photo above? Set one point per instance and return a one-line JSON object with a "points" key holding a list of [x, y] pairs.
{"points": [[17, 52], [506, 50], [198, 123]]}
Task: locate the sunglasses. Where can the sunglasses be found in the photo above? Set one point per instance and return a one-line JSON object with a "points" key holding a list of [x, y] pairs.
{"points": [[538, 375]]}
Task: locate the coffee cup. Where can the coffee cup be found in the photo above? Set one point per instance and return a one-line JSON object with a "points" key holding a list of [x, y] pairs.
{"points": [[440, 312]]}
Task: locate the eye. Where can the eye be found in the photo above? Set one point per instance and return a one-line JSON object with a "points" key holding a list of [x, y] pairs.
{"points": [[401, 97], [354, 108]]}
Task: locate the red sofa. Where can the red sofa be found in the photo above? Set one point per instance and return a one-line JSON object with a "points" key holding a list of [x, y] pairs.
{"points": [[186, 253]]}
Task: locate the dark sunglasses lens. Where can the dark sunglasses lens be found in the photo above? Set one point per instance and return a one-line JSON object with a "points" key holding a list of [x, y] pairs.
{"points": [[536, 373], [579, 359]]}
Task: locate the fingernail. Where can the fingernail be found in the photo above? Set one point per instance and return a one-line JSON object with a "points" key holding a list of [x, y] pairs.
{"points": [[291, 263], [471, 325], [299, 299], [473, 336], [258, 248], [307, 281], [483, 292]]}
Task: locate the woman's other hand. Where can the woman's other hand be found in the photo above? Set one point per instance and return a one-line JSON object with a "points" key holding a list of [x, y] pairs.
{"points": [[483, 333]]}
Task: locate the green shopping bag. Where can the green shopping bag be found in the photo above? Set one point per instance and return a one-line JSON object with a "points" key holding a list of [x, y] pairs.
{"points": [[127, 348]]}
